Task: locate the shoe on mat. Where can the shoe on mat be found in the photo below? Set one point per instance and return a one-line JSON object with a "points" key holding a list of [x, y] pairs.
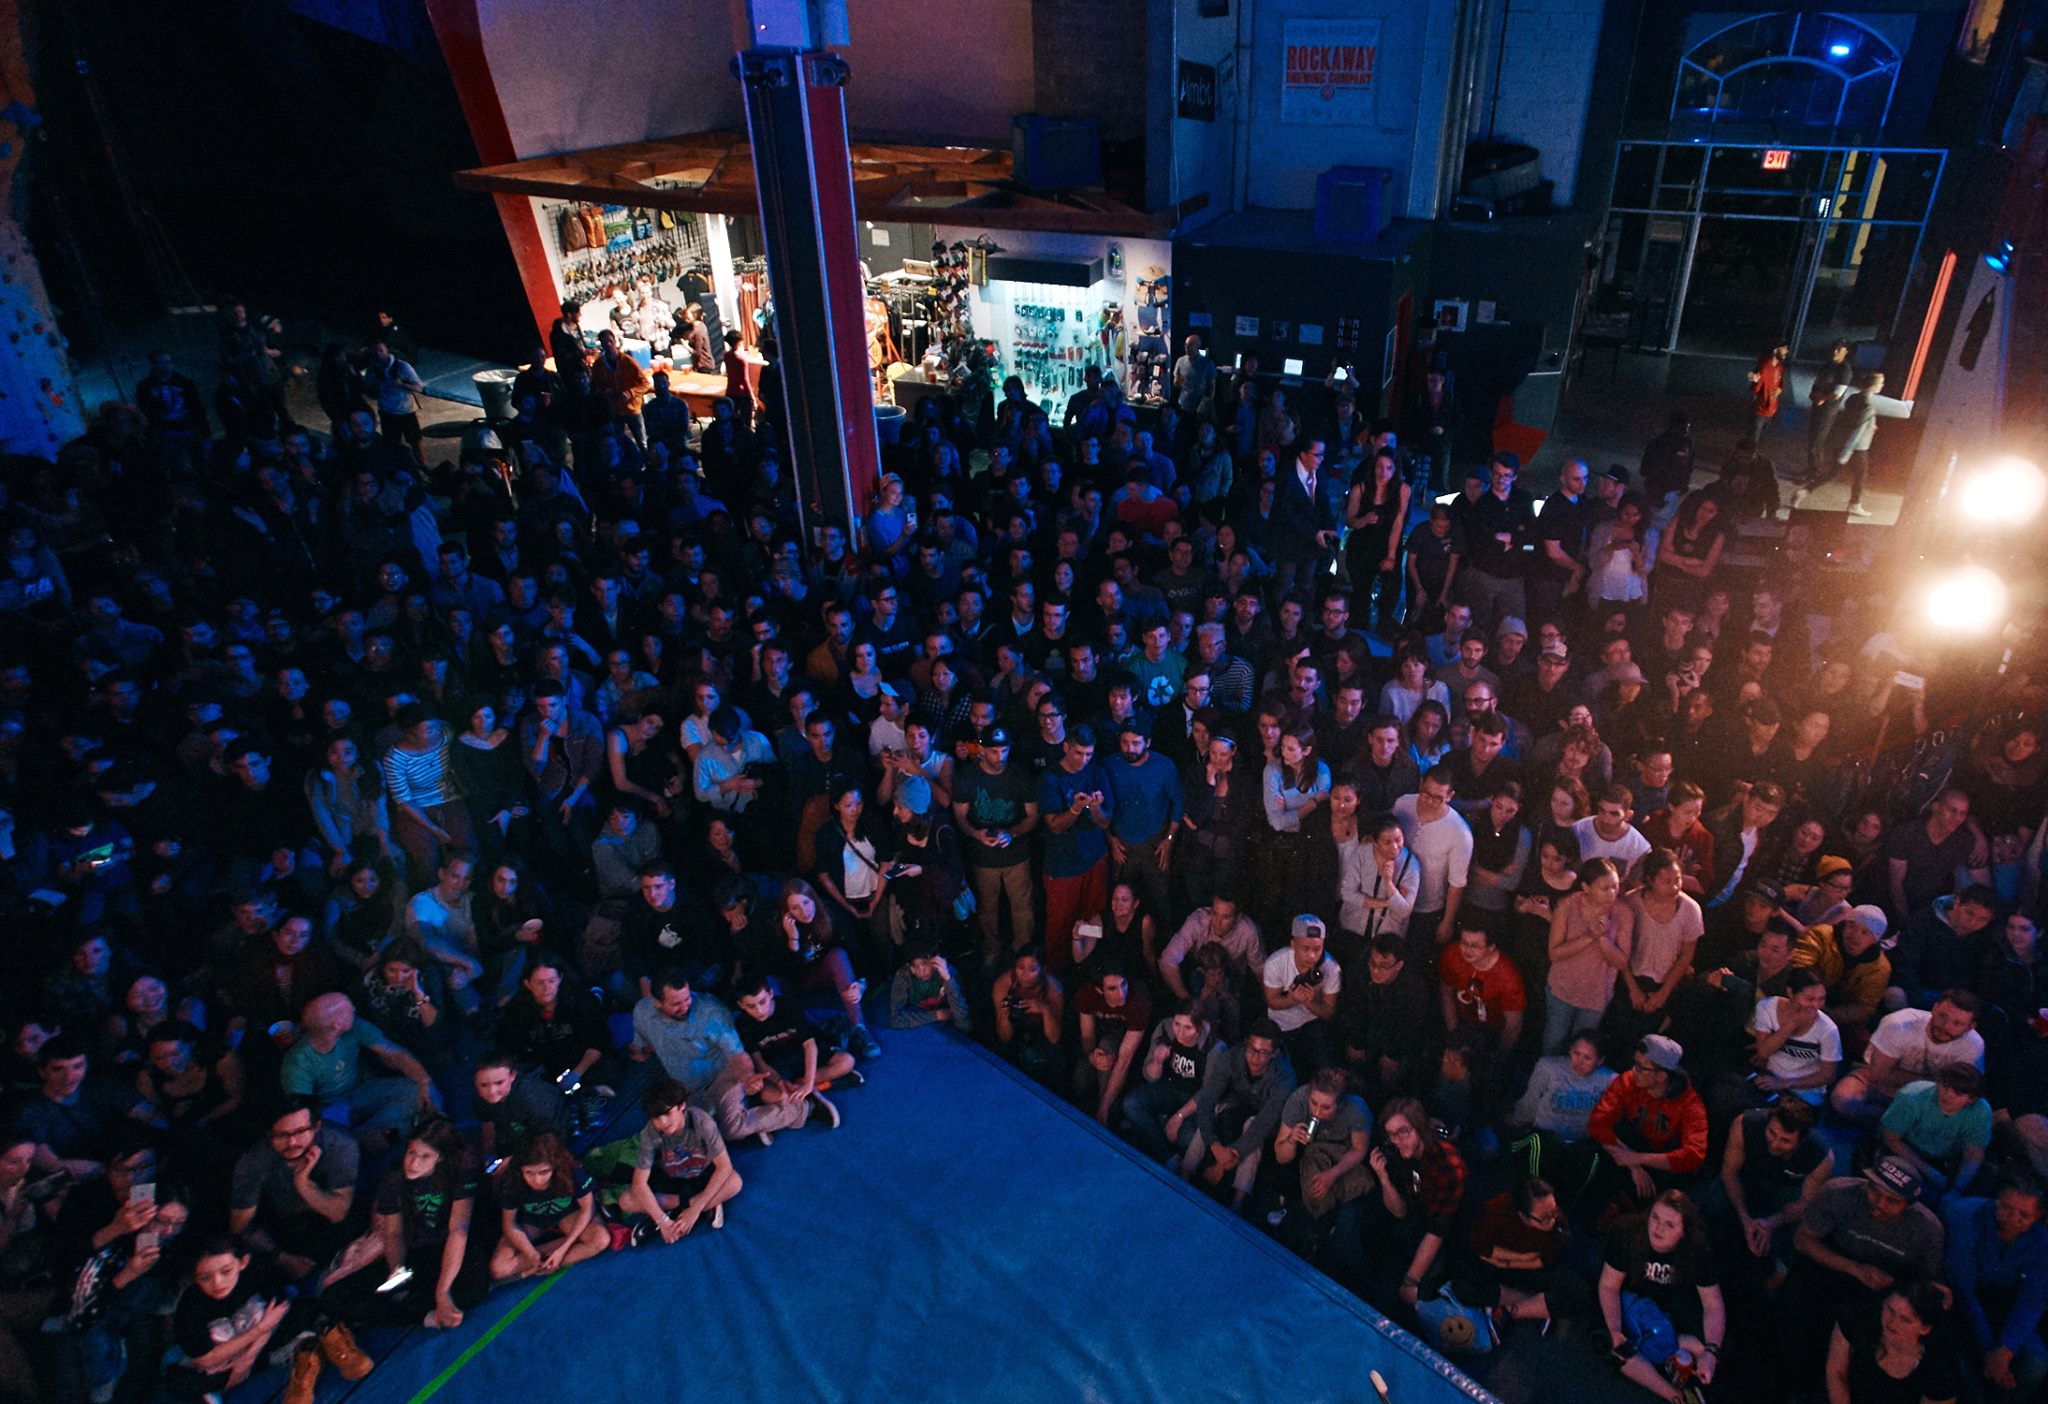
{"points": [[305, 1376], [820, 1105], [850, 1078], [338, 1345], [864, 1045]]}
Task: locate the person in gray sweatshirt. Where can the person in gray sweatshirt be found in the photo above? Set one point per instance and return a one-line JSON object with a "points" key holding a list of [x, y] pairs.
{"points": [[1228, 1123], [1557, 1103]]}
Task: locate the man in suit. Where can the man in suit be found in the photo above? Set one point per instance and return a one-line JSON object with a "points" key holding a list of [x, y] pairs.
{"points": [[1173, 729], [1304, 515]]}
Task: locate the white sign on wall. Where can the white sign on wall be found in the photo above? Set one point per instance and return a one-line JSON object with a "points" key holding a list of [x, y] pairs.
{"points": [[1329, 73]]}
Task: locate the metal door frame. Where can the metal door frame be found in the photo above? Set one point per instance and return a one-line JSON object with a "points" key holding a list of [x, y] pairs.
{"points": [[1824, 224]]}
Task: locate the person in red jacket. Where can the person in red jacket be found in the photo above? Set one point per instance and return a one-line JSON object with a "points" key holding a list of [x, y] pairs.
{"points": [[1766, 388], [1651, 1127]]}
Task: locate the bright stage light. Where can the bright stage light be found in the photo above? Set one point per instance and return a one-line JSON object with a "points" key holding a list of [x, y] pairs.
{"points": [[2009, 491], [1967, 601]]}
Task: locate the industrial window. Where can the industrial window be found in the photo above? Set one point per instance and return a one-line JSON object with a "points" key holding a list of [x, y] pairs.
{"points": [[1787, 68]]}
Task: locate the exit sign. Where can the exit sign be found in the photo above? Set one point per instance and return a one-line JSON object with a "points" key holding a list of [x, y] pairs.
{"points": [[1777, 160]]}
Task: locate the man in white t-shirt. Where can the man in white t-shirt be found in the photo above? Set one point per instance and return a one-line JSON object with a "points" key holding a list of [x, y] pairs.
{"points": [[1441, 841], [1797, 1044], [1301, 994], [1912, 1045], [1609, 834]]}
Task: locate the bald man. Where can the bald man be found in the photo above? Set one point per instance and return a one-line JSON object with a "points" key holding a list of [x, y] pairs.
{"points": [[326, 1063]]}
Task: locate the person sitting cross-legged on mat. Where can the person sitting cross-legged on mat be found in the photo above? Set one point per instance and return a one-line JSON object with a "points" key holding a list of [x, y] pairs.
{"points": [[549, 1204], [1031, 1011], [924, 990], [422, 1226], [1115, 1015], [234, 1318], [1174, 1063], [785, 1051], [682, 1170], [1225, 1128], [1325, 1132], [692, 1036]]}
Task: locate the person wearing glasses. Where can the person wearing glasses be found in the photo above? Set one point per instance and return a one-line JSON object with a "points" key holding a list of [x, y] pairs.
{"points": [[293, 1194], [1514, 1264]]}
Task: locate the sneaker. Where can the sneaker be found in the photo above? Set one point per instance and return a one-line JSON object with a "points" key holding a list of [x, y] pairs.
{"points": [[850, 1078], [819, 1104], [644, 1233], [338, 1344], [1798, 496], [1857, 509], [767, 1137], [718, 1216], [304, 1378], [864, 1045]]}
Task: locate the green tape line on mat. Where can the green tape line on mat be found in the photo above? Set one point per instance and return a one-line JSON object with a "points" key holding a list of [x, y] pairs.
{"points": [[476, 1347]]}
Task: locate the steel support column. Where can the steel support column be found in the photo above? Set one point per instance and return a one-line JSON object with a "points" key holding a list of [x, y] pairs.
{"points": [[796, 120]]}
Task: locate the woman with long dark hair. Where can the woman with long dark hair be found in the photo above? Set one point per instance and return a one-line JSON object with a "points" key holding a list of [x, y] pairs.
{"points": [[1592, 932], [1297, 785], [549, 1205], [1377, 514], [1422, 1188], [422, 1221], [349, 810], [1894, 1354], [851, 872], [801, 941], [1690, 551]]}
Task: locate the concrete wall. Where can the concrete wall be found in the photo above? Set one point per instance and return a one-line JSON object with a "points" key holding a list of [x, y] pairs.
{"points": [[1204, 152], [656, 68], [1543, 54], [939, 70], [1404, 130]]}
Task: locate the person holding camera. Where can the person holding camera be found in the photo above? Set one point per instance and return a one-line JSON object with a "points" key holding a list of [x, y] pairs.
{"points": [[1422, 1189]]}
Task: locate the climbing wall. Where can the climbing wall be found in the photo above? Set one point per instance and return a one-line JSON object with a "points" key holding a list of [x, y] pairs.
{"points": [[39, 407]]}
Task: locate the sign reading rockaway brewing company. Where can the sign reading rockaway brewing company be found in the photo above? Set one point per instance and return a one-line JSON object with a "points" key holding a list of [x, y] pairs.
{"points": [[1330, 70]]}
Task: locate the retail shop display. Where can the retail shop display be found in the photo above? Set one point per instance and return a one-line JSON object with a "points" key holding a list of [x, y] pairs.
{"points": [[1147, 374], [603, 247]]}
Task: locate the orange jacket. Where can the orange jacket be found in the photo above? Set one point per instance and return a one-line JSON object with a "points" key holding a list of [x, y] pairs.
{"points": [[1628, 1116], [624, 384]]}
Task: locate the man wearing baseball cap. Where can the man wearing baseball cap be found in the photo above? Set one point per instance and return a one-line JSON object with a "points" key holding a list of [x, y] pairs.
{"points": [[1650, 1125], [1300, 985], [1849, 955], [1860, 1236], [995, 805]]}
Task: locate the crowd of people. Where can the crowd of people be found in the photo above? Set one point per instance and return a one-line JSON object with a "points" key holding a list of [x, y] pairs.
{"points": [[425, 877]]}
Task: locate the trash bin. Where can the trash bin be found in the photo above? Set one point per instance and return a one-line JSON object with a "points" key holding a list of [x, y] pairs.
{"points": [[889, 423], [494, 388]]}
